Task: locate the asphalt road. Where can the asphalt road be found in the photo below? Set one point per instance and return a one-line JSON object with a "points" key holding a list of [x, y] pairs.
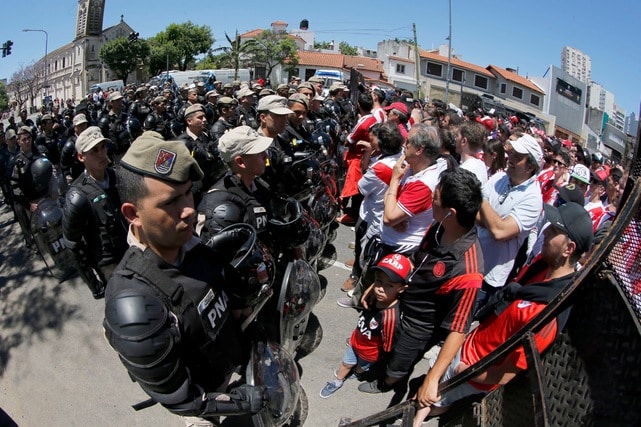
{"points": [[56, 368]]}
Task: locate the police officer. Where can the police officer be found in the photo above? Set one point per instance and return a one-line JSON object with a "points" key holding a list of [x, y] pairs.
{"points": [[202, 148], [8, 154], [69, 163], [22, 175], [113, 124], [169, 311], [247, 108], [227, 113], [93, 227], [210, 108], [139, 108], [159, 120], [241, 196]]}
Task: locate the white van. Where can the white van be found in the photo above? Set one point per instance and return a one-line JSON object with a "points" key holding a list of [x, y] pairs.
{"points": [[105, 86], [226, 75], [330, 77]]}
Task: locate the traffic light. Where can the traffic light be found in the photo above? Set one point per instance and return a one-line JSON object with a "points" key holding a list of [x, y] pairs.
{"points": [[9, 44], [4, 49], [133, 37]]}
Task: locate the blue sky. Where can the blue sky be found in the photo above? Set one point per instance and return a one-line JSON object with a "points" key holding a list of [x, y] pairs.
{"points": [[525, 35]]}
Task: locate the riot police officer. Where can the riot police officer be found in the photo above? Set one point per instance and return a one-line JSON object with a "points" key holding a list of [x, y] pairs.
{"points": [[227, 113], [139, 108], [247, 109], [240, 196], [113, 124], [159, 120], [202, 148], [93, 227], [170, 313], [69, 163]]}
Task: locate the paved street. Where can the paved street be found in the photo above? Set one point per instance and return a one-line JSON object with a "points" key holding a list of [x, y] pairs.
{"points": [[56, 369]]}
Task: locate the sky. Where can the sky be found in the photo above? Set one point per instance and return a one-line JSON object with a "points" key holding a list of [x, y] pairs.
{"points": [[524, 35]]}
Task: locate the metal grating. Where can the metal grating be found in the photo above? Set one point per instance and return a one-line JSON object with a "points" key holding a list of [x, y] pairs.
{"points": [[625, 262]]}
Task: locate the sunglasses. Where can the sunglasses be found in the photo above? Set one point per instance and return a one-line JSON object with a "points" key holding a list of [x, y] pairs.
{"points": [[559, 163]]}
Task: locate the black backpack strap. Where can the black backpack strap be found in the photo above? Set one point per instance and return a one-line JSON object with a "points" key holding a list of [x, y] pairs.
{"points": [[151, 273]]}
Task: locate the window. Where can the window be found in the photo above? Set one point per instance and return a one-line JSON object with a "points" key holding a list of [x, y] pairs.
{"points": [[535, 100], [503, 88], [480, 81], [434, 69], [63, 61], [400, 68], [517, 92], [458, 75]]}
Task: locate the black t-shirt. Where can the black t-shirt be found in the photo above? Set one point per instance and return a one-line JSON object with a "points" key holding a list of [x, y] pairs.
{"points": [[442, 290]]}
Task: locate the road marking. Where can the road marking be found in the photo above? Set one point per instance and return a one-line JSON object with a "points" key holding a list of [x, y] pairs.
{"points": [[336, 264]]}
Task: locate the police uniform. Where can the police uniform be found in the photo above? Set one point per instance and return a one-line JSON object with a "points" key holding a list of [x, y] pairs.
{"points": [[172, 324]]}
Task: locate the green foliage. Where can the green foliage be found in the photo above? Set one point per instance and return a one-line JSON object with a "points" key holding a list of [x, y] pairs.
{"points": [[346, 49], [322, 45], [180, 43], [211, 61], [4, 98], [273, 49], [122, 56], [238, 52]]}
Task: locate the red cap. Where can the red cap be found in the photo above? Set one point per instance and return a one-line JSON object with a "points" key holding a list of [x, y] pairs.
{"points": [[397, 267], [397, 106], [567, 143]]}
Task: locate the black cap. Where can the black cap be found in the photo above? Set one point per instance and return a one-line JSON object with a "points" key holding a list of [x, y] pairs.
{"points": [[571, 193], [573, 220]]}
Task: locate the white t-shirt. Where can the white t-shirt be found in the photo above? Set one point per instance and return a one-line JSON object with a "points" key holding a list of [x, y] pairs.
{"points": [[372, 186], [477, 167]]}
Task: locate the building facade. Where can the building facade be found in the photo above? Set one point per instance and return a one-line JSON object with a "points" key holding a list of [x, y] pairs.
{"points": [[75, 67], [576, 63]]}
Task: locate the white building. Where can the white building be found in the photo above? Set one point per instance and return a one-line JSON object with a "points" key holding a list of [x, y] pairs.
{"points": [[73, 68], [576, 63]]}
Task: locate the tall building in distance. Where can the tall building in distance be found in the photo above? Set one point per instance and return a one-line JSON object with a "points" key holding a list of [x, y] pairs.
{"points": [[576, 63]]}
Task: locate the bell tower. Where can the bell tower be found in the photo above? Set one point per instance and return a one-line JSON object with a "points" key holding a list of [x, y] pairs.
{"points": [[89, 19]]}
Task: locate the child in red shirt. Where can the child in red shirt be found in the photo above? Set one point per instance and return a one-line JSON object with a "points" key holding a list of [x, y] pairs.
{"points": [[374, 332]]}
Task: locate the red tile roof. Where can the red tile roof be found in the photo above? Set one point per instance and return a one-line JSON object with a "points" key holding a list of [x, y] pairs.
{"points": [[318, 59], [279, 23], [515, 78], [363, 63], [401, 59], [251, 34], [456, 62]]}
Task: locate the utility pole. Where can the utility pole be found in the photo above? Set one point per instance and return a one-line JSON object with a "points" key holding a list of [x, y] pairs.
{"points": [[449, 55], [417, 64]]}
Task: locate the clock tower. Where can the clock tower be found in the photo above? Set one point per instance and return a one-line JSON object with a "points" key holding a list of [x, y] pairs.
{"points": [[89, 19]]}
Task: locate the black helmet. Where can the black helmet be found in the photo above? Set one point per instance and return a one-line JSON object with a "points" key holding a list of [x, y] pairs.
{"points": [[286, 226], [251, 260], [134, 128], [40, 171], [303, 175], [150, 122]]}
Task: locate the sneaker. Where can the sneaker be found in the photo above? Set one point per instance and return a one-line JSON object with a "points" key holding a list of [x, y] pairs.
{"points": [[348, 284], [373, 387], [346, 302], [350, 262], [351, 245], [352, 375], [330, 388]]}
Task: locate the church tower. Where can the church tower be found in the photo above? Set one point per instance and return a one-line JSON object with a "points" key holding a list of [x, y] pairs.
{"points": [[89, 20]]}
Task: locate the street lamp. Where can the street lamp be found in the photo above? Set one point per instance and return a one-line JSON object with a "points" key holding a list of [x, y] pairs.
{"points": [[44, 90]]}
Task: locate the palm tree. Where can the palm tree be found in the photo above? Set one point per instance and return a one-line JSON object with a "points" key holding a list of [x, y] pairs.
{"points": [[236, 51]]}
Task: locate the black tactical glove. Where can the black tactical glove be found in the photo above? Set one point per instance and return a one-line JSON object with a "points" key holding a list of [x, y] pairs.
{"points": [[240, 400]]}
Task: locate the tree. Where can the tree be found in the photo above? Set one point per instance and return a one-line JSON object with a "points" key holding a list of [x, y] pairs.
{"points": [[211, 61], [322, 45], [273, 49], [236, 52], [123, 56], [347, 49], [25, 84], [179, 44]]}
